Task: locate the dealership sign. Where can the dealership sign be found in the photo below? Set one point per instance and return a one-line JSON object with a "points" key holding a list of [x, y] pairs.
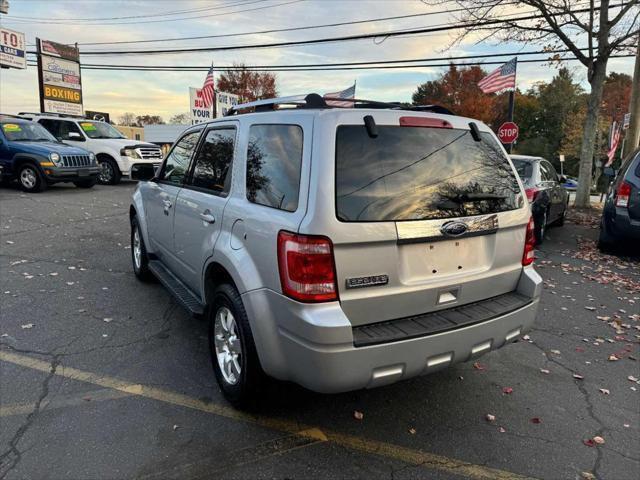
{"points": [[59, 78], [12, 54], [198, 113]]}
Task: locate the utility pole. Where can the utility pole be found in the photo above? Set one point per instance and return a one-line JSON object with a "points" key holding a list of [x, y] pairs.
{"points": [[632, 138]]}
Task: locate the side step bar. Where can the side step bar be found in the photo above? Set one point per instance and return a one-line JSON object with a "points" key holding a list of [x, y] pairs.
{"points": [[183, 294]]}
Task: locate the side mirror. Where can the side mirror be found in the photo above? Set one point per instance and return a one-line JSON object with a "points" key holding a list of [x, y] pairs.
{"points": [[562, 178], [609, 171], [74, 136], [143, 172]]}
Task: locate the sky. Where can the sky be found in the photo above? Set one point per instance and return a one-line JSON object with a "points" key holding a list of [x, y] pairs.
{"points": [[166, 93]]}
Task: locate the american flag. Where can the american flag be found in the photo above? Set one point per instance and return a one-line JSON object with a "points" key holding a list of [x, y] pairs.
{"points": [[348, 93], [614, 141], [500, 79], [206, 91]]}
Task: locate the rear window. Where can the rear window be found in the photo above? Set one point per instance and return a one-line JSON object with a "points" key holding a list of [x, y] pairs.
{"points": [[416, 173], [524, 168], [274, 160]]}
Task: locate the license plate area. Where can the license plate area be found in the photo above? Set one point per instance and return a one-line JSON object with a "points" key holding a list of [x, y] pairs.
{"points": [[423, 262], [83, 172]]}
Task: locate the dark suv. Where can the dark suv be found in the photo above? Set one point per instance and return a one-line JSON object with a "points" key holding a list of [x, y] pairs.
{"points": [[30, 154], [620, 222]]}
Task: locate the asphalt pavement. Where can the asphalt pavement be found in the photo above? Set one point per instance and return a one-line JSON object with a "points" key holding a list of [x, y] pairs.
{"points": [[102, 376]]}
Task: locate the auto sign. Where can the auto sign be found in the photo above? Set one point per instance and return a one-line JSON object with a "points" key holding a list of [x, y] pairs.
{"points": [[12, 53]]}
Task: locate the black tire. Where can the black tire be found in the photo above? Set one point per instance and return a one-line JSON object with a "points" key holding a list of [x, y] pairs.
{"points": [[31, 179], [86, 183], [605, 239], [540, 227], [141, 266], [242, 393], [560, 221], [109, 171]]}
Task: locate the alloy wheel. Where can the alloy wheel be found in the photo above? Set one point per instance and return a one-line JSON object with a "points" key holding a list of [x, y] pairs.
{"points": [[106, 172], [137, 249], [227, 346], [28, 178]]}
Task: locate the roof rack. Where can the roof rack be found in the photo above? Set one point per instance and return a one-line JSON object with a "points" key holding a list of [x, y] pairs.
{"points": [[47, 114], [12, 116], [313, 100]]}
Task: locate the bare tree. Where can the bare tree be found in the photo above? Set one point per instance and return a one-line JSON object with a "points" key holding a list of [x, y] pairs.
{"points": [[127, 119], [606, 27], [180, 119]]}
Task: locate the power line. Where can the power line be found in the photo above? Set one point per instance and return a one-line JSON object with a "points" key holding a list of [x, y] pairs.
{"points": [[369, 67], [279, 30], [44, 22], [173, 12], [309, 65], [321, 40]]}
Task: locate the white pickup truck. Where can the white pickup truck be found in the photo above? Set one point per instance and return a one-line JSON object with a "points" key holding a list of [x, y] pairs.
{"points": [[117, 155]]}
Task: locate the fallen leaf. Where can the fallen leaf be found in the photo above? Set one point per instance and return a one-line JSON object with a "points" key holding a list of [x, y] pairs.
{"points": [[501, 430], [598, 440], [490, 418], [631, 378], [107, 320], [507, 390], [545, 371], [590, 308], [589, 443], [479, 366], [613, 358], [358, 415], [175, 427], [588, 476], [605, 391], [27, 325], [578, 377], [86, 399], [536, 420], [555, 352], [412, 431], [526, 337]]}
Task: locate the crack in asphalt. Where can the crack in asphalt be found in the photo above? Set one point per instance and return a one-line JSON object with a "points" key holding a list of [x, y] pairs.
{"points": [[589, 406], [10, 458]]}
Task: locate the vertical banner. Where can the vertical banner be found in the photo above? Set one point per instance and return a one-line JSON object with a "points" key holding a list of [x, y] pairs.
{"points": [[59, 78]]}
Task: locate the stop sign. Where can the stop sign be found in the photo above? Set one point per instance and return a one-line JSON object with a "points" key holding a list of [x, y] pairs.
{"points": [[508, 132]]}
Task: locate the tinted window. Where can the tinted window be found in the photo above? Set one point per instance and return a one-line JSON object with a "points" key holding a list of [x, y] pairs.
{"points": [[274, 159], [178, 160], [212, 168], [61, 129], [524, 168], [415, 173], [546, 172]]}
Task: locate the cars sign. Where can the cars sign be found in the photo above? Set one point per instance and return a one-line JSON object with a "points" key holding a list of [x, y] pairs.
{"points": [[508, 132]]}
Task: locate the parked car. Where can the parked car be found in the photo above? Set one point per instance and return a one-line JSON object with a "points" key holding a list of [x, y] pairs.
{"points": [[339, 248], [543, 186], [31, 155], [117, 155], [570, 184], [620, 223]]}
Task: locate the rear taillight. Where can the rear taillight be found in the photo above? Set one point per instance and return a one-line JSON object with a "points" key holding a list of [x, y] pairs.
{"points": [[307, 270], [531, 193], [622, 194], [528, 256]]}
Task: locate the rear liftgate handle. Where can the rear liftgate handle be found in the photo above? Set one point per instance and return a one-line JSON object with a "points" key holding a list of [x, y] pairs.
{"points": [[167, 206]]}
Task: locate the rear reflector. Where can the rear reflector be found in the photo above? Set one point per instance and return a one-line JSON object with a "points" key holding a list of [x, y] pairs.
{"points": [[622, 195], [528, 255], [307, 269], [424, 122]]}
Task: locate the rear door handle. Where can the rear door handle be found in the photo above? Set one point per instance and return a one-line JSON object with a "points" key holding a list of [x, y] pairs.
{"points": [[167, 205], [207, 217]]}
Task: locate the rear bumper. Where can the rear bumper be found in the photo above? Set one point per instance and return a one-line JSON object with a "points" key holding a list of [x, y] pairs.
{"points": [[620, 225], [313, 345]]}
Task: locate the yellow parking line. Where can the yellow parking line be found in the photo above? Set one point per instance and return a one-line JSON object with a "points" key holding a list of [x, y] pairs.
{"points": [[383, 449], [84, 398]]}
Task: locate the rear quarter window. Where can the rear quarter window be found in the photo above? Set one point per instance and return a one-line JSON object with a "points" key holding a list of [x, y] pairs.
{"points": [[417, 173], [274, 160]]}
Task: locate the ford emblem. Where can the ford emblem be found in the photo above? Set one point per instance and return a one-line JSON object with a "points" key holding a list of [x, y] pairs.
{"points": [[454, 229]]}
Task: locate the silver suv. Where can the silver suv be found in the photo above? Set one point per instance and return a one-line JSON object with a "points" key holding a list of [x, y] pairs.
{"points": [[340, 248]]}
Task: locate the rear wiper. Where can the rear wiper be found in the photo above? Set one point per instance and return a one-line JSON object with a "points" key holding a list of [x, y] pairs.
{"points": [[476, 197]]}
